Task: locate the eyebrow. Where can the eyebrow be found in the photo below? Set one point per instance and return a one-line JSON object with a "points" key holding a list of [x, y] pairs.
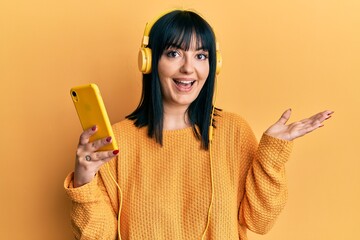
{"points": [[180, 47]]}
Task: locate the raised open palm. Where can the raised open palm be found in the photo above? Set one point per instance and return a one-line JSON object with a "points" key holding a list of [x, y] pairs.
{"points": [[297, 129]]}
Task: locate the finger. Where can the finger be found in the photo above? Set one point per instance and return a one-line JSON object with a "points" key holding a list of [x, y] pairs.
{"points": [[328, 114], [96, 145], [100, 156], [310, 124], [285, 117], [322, 116], [317, 118], [85, 136]]}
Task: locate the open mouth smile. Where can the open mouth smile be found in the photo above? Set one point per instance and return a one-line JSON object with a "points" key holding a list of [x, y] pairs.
{"points": [[185, 84]]}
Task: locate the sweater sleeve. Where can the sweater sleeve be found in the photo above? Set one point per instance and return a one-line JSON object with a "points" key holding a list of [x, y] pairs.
{"points": [[265, 188], [92, 216]]}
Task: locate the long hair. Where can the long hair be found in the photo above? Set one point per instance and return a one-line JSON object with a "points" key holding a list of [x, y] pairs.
{"points": [[177, 29]]}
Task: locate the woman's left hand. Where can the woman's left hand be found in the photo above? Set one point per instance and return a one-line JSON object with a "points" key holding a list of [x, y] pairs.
{"points": [[297, 129]]}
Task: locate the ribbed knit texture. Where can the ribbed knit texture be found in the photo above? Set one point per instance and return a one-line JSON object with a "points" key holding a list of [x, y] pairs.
{"points": [[167, 189]]}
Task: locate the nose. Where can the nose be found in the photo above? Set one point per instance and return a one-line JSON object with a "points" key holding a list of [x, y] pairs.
{"points": [[187, 65]]}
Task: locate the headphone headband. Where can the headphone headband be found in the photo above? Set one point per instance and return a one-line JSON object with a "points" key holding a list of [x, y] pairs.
{"points": [[149, 25]]}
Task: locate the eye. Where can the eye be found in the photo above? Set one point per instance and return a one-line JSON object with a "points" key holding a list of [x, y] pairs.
{"points": [[202, 56], [172, 53]]}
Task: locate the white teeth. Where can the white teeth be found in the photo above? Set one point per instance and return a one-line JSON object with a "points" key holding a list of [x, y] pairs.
{"points": [[185, 82]]}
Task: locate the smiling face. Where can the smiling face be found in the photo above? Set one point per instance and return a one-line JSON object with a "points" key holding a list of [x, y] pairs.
{"points": [[182, 74]]}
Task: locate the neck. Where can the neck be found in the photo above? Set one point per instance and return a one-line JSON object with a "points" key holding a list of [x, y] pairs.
{"points": [[175, 118]]}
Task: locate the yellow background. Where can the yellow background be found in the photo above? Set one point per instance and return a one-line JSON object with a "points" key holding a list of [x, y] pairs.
{"points": [[303, 54]]}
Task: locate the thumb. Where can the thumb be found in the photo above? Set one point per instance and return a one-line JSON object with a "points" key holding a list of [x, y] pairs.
{"points": [[285, 117]]}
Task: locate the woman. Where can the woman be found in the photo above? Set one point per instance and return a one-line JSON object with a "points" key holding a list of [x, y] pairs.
{"points": [[175, 183]]}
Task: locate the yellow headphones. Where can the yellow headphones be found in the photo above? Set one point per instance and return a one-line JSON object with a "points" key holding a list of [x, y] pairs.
{"points": [[144, 57]]}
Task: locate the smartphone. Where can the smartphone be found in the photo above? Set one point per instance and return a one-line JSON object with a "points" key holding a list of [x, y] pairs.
{"points": [[91, 111]]}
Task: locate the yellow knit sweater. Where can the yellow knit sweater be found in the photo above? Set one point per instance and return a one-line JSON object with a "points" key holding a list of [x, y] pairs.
{"points": [[167, 189]]}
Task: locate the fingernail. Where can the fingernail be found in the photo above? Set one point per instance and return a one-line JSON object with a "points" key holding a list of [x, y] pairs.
{"points": [[115, 152], [108, 139], [93, 128]]}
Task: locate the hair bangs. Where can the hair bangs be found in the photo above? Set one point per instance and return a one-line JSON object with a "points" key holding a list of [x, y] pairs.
{"points": [[185, 28]]}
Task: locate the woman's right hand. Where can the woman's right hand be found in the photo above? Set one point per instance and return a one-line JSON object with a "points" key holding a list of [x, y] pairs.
{"points": [[88, 160]]}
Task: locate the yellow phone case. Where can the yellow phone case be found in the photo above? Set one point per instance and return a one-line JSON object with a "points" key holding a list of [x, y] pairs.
{"points": [[91, 111]]}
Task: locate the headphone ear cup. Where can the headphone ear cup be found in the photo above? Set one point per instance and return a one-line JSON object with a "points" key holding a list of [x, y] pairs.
{"points": [[144, 60], [218, 62]]}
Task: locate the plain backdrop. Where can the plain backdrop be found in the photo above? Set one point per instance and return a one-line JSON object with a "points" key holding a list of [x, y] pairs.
{"points": [[303, 54]]}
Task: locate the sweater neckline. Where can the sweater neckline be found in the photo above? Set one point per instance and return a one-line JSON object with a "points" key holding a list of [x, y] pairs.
{"points": [[178, 131]]}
